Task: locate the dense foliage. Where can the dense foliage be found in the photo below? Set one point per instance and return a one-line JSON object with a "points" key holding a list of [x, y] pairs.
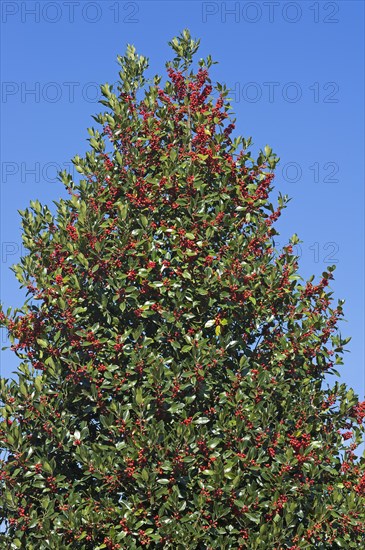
{"points": [[171, 391]]}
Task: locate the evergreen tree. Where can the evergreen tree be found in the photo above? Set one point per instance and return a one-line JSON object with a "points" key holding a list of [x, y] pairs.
{"points": [[171, 388]]}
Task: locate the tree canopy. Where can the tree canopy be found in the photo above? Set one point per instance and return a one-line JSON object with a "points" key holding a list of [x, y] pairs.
{"points": [[171, 388]]}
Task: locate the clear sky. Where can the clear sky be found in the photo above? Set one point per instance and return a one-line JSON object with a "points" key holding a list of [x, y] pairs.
{"points": [[296, 69]]}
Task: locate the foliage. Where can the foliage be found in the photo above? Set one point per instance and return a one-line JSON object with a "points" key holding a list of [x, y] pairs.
{"points": [[171, 389]]}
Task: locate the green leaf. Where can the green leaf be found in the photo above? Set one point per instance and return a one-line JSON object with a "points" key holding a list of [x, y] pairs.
{"points": [[201, 420], [253, 517], [186, 348], [145, 474], [139, 398], [267, 150], [212, 444], [42, 343], [176, 407], [47, 467]]}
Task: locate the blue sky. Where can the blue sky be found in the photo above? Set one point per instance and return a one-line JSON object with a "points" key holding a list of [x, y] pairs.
{"points": [[296, 69]]}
